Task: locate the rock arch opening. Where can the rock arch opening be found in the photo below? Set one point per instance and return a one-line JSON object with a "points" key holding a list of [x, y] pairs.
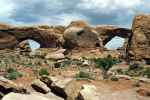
{"points": [[34, 44], [29, 44], [115, 43]]}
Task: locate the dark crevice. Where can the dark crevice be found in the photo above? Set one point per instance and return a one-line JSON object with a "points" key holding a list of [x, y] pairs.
{"points": [[80, 32], [147, 61], [6, 91], [38, 89], [59, 92], [97, 45]]}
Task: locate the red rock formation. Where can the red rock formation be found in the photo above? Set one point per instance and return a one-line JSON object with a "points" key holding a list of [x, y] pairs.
{"points": [[81, 37], [77, 34], [7, 41], [79, 23], [139, 46], [107, 32], [46, 37]]}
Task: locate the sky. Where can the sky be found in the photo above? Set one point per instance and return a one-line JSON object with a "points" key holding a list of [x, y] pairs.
{"points": [[115, 43], [33, 44], [61, 12]]}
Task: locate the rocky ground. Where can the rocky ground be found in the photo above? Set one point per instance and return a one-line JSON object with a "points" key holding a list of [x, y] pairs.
{"points": [[60, 81]]}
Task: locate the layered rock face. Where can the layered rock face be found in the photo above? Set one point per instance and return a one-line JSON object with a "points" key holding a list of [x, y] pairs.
{"points": [[7, 41], [139, 44], [48, 38], [78, 34], [107, 32]]}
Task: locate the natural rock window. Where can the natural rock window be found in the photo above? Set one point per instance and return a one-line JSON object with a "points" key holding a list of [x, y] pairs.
{"points": [[115, 43], [33, 44]]}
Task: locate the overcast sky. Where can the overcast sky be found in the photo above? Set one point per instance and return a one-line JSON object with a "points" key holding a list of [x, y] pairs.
{"points": [[117, 12]]}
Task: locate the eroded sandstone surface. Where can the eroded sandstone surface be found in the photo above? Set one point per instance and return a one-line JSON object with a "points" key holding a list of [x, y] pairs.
{"points": [[140, 40]]}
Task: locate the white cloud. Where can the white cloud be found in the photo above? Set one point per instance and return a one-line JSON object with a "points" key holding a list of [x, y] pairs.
{"points": [[65, 19], [108, 5], [6, 8], [61, 19], [118, 12]]}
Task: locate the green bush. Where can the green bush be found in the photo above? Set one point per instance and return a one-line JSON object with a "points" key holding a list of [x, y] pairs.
{"points": [[10, 70], [105, 64], [83, 75], [134, 73], [12, 74], [43, 71], [135, 70], [135, 67], [146, 72]]}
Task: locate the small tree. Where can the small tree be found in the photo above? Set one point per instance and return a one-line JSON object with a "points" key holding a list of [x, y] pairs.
{"points": [[105, 64]]}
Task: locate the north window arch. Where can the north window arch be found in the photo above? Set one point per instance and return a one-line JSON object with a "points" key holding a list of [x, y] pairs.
{"points": [[115, 43]]}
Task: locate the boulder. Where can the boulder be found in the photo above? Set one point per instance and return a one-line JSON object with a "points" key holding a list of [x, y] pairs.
{"points": [[39, 86], [38, 53], [53, 96], [17, 96], [81, 37], [48, 53], [56, 55], [88, 92], [72, 90], [59, 86], [7, 86], [24, 47], [139, 44], [79, 23], [48, 80]]}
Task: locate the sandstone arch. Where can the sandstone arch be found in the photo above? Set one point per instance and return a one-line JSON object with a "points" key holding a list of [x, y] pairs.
{"points": [[46, 37], [107, 32]]}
